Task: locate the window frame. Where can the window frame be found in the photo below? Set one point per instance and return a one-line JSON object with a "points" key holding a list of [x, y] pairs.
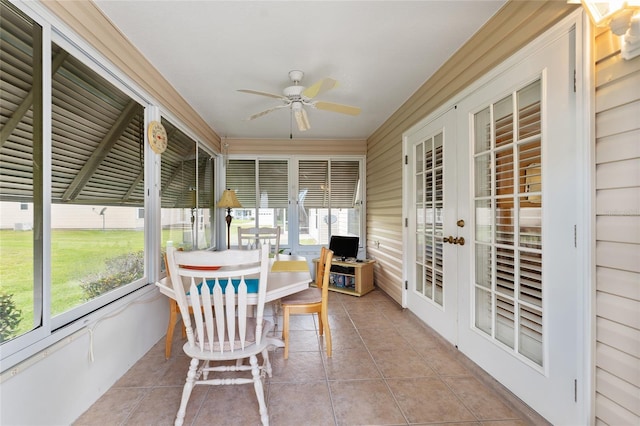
{"points": [[55, 331], [293, 245]]}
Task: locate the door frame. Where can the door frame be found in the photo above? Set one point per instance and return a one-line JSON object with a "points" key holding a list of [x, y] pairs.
{"points": [[585, 168]]}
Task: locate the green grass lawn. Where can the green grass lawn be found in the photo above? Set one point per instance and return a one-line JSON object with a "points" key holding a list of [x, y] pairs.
{"points": [[75, 254]]}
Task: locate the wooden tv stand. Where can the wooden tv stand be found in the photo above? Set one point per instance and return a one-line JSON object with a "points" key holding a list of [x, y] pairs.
{"points": [[350, 277]]}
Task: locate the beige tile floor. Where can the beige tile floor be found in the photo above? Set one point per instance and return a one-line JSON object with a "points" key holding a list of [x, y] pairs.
{"points": [[387, 368]]}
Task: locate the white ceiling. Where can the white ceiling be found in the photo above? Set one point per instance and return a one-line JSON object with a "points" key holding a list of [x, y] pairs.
{"points": [[380, 52]]}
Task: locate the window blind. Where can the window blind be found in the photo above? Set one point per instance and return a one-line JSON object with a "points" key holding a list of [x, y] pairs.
{"points": [[334, 183], [507, 172], [273, 183], [241, 177], [313, 181]]}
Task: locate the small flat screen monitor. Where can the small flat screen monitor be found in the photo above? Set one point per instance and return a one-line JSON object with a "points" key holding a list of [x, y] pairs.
{"points": [[344, 247]]}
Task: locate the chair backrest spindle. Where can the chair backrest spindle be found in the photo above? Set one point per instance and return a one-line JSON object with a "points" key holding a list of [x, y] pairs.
{"points": [[219, 296], [254, 238]]}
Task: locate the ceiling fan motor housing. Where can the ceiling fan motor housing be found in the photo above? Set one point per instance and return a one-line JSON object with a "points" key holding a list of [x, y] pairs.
{"points": [[296, 76], [293, 92]]}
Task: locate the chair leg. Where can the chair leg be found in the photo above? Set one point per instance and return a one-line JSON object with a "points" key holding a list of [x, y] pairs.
{"points": [[257, 384], [285, 331], [327, 334], [320, 324], [277, 307], [186, 391], [173, 315], [266, 364]]}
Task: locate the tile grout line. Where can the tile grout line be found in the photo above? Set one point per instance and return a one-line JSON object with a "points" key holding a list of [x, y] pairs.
{"points": [[384, 379], [326, 373]]}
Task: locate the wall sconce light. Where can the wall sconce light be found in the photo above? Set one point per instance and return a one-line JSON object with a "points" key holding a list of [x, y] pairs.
{"points": [[622, 17]]}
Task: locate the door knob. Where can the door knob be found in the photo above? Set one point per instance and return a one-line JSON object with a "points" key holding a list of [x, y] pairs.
{"points": [[460, 223]]}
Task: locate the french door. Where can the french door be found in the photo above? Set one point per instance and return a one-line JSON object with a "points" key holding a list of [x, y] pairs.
{"points": [[500, 170], [432, 215]]}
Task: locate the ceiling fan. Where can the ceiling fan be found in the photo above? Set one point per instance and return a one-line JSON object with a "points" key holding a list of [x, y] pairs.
{"points": [[297, 97]]}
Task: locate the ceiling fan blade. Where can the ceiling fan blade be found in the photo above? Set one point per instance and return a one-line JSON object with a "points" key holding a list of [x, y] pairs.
{"points": [[342, 109], [256, 92], [319, 87], [267, 111]]}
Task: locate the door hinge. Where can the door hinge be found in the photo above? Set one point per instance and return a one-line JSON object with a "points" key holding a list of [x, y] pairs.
{"points": [[406, 159], [575, 236], [574, 81], [575, 390], [406, 285], [406, 222]]}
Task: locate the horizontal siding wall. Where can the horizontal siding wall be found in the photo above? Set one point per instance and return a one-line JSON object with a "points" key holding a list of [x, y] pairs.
{"points": [[513, 26], [617, 305]]}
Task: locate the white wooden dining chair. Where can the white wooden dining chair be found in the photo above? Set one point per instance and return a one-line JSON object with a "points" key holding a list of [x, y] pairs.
{"points": [[222, 325], [252, 238]]}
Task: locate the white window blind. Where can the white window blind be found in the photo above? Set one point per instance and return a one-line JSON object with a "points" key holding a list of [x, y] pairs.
{"points": [[273, 183], [259, 183], [429, 167], [241, 177], [508, 234], [313, 181], [334, 183], [345, 178]]}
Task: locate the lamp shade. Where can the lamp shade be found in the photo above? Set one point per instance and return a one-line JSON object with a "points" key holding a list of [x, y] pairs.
{"points": [[229, 200]]}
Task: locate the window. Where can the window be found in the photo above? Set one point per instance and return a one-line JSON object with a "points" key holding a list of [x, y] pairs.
{"points": [[97, 185], [20, 177], [508, 202], [329, 200], [325, 196], [430, 207], [262, 188], [80, 186], [186, 192]]}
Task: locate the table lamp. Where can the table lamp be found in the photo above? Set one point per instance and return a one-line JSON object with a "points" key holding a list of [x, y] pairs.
{"points": [[229, 201]]}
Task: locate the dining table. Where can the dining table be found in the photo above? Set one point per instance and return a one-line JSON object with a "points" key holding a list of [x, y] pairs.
{"points": [[288, 274]]}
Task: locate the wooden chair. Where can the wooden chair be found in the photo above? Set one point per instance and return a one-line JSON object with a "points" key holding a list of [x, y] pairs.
{"points": [[311, 300], [221, 323], [173, 317], [253, 238]]}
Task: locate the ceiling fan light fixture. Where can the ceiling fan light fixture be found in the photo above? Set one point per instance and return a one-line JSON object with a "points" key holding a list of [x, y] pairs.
{"points": [[301, 116]]}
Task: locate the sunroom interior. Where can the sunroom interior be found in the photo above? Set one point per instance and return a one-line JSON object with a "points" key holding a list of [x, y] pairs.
{"points": [[82, 163]]}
